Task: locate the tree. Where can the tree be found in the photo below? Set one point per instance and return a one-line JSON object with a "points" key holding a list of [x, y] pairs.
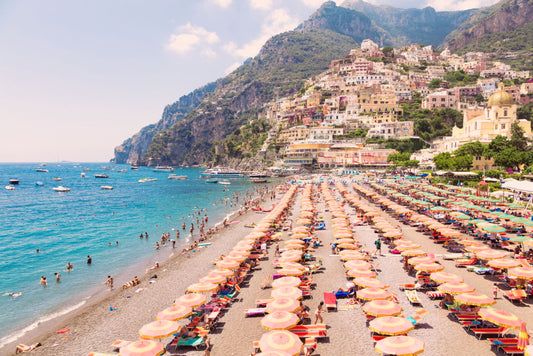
{"points": [[475, 148], [479, 98], [518, 139], [443, 161], [509, 158], [463, 163], [434, 84], [388, 51], [497, 145], [398, 157]]}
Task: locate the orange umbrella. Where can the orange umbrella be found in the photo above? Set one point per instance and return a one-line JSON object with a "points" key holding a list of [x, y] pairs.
{"points": [[280, 320], [500, 317], [421, 259], [476, 248], [291, 271], [491, 254], [366, 282], [191, 300], [474, 299], [521, 272], [202, 287], [142, 348], [361, 272], [215, 279], [412, 253], [373, 294], [357, 264], [174, 313], [450, 233], [159, 329], [391, 325], [429, 267], [228, 263], [287, 292], [504, 263], [294, 265], [286, 282], [352, 255], [445, 277], [348, 246], [221, 271], [283, 304], [455, 288], [281, 340], [382, 308], [400, 345]]}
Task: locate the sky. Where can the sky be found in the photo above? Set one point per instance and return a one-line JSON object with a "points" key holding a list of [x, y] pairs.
{"points": [[79, 77]]}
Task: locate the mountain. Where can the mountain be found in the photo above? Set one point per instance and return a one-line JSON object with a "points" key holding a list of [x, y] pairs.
{"points": [[280, 69], [133, 148], [499, 23], [407, 26]]}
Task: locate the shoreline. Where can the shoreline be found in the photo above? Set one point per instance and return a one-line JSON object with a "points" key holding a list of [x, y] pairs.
{"points": [[45, 330]]}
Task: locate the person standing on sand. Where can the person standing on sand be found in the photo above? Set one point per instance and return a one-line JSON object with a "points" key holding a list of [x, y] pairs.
{"points": [[208, 346], [109, 282], [318, 313]]}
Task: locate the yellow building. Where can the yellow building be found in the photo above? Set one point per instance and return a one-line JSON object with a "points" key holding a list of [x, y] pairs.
{"points": [[484, 125], [293, 134], [304, 153]]}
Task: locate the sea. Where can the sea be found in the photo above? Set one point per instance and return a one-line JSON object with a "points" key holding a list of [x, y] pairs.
{"points": [[105, 224]]}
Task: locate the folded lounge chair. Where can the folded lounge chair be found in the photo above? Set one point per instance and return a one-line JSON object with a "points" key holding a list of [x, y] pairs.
{"points": [[254, 312], [330, 300], [435, 295], [515, 295], [412, 296]]}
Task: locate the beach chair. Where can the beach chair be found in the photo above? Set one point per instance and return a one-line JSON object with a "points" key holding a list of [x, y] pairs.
{"points": [[465, 262], [511, 350], [515, 295], [330, 300], [252, 312], [262, 302], [435, 294], [341, 294], [406, 286], [195, 342], [504, 341], [480, 332], [412, 296]]}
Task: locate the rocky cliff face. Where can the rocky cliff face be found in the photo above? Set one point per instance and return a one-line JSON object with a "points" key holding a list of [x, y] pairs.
{"points": [[134, 148], [507, 16]]}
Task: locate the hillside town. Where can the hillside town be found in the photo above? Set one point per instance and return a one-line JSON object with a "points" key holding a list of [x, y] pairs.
{"points": [[341, 117]]}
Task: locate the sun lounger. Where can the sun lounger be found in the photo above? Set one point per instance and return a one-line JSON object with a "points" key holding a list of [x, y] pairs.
{"points": [[315, 334], [511, 350], [330, 300], [515, 295], [480, 332], [412, 296], [406, 286], [262, 302], [377, 338], [452, 256], [195, 342], [254, 312], [465, 262], [508, 341], [315, 327], [482, 270], [435, 294], [341, 294]]}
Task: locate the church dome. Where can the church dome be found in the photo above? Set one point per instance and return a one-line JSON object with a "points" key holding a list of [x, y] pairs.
{"points": [[500, 97]]}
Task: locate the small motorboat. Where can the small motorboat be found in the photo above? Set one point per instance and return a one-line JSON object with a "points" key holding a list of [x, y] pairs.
{"points": [[61, 189], [106, 187], [41, 170], [86, 169], [212, 180], [224, 182], [14, 181], [147, 180], [57, 179], [39, 184], [101, 176], [259, 180], [82, 175], [135, 168], [122, 170], [9, 187], [177, 177]]}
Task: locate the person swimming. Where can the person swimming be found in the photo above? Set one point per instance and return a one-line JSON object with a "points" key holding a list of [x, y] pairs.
{"points": [[69, 267]]}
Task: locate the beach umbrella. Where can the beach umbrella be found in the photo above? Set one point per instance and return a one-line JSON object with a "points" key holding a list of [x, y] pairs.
{"points": [[280, 320], [272, 353], [412, 253], [300, 229], [291, 271], [293, 247], [215, 279], [295, 241], [400, 345], [379, 308], [361, 272], [500, 317], [445, 277], [352, 255], [420, 259], [476, 248], [283, 304], [429, 267], [393, 234], [504, 263], [221, 271], [522, 221], [286, 282], [491, 254], [344, 240], [239, 256], [202, 287], [492, 227], [373, 294], [528, 351], [192, 300], [287, 292], [407, 246], [228, 263], [300, 235], [474, 298], [450, 233], [294, 265], [523, 337], [366, 282], [174, 313], [142, 348], [290, 258], [159, 329], [281, 340], [521, 272], [469, 242], [455, 288], [357, 264], [391, 325], [348, 246], [304, 222]]}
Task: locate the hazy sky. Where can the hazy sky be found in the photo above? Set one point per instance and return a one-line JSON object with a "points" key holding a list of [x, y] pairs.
{"points": [[78, 77]]}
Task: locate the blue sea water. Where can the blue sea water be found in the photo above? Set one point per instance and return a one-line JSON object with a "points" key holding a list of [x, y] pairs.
{"points": [[66, 227]]}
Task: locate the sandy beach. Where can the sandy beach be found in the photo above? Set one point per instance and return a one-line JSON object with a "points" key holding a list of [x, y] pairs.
{"points": [[95, 327]]}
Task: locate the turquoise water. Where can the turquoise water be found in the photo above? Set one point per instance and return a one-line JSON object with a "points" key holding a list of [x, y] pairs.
{"points": [[66, 227]]}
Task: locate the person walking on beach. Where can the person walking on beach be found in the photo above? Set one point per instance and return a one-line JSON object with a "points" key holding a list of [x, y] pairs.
{"points": [[208, 346], [378, 246], [109, 282], [89, 260], [318, 313]]}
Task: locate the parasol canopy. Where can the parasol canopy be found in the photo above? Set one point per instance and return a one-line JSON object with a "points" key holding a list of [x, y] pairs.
{"points": [[400, 345], [142, 348], [474, 298], [500, 317], [391, 325], [382, 308], [279, 320], [281, 340]]}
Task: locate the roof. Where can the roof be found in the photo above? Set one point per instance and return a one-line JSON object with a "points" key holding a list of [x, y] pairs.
{"points": [[518, 185]]}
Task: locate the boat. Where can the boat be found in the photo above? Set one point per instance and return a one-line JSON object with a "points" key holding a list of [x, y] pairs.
{"points": [[14, 181], [39, 184], [41, 170], [101, 176], [61, 189], [9, 187], [82, 175], [177, 177], [106, 187], [166, 169], [212, 180], [57, 179], [86, 169], [122, 170], [225, 182], [218, 172], [259, 180], [147, 180], [135, 168], [259, 175]]}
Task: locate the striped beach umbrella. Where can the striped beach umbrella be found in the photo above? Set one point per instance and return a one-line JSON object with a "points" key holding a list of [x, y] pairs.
{"points": [[523, 337], [366, 282], [429, 267], [455, 288], [192, 300], [521, 272], [413, 253], [174, 313], [202, 287], [400, 345], [474, 298], [476, 248], [287, 292], [348, 255], [279, 320], [357, 264], [445, 277], [491, 254], [215, 279], [421, 259], [272, 353], [500, 317], [286, 282], [228, 263], [361, 272], [283, 304], [492, 227], [291, 271], [379, 308], [142, 348], [159, 329], [373, 294], [281, 340], [221, 271], [391, 325], [504, 263]]}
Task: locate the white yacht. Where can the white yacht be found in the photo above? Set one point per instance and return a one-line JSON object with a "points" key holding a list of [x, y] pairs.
{"points": [[61, 189]]}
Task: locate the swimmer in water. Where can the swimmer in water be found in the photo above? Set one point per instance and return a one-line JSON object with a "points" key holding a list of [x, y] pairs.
{"points": [[69, 266], [58, 277], [43, 281]]}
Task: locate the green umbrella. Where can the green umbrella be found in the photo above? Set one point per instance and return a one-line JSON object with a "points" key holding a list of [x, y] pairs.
{"points": [[492, 227], [523, 221], [519, 238]]}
